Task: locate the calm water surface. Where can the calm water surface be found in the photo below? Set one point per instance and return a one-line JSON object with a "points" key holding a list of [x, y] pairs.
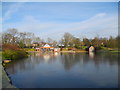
{"points": [[65, 70]]}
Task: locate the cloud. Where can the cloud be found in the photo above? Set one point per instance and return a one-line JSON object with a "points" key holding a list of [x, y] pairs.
{"points": [[12, 9], [102, 24]]}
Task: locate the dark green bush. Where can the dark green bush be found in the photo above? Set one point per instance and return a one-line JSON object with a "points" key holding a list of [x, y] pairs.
{"points": [[14, 54]]}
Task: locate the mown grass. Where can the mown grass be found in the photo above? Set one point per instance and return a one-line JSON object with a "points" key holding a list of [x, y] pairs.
{"points": [[29, 49]]}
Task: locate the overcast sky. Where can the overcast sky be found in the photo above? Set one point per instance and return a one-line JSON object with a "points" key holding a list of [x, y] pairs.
{"points": [[50, 19]]}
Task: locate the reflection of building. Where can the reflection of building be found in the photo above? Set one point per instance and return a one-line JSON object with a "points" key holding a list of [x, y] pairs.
{"points": [[46, 57], [91, 54], [56, 49], [56, 53], [37, 49]]}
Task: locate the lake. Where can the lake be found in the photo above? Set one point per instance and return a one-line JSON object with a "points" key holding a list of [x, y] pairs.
{"points": [[65, 70]]}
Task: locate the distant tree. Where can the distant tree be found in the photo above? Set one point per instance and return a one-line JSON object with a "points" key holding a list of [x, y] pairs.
{"points": [[0, 38], [110, 42], [21, 44], [49, 40], [117, 42], [96, 42], [86, 41], [61, 42], [54, 43], [13, 32], [68, 39], [37, 39], [29, 39], [22, 36], [76, 43], [10, 36]]}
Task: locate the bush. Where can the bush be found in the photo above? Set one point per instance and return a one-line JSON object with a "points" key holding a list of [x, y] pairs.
{"points": [[13, 55], [82, 47], [13, 52], [10, 47]]}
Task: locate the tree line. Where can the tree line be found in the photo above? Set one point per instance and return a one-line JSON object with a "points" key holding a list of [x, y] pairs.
{"points": [[70, 41], [26, 39]]}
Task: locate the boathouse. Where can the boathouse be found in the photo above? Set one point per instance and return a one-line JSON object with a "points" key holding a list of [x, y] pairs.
{"points": [[91, 49]]}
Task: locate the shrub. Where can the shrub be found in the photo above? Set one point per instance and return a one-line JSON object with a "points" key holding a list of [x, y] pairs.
{"points": [[10, 47], [13, 52], [13, 55]]}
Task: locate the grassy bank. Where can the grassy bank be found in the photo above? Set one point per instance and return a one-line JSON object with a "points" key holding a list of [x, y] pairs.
{"points": [[29, 49], [73, 51], [4, 77], [14, 54]]}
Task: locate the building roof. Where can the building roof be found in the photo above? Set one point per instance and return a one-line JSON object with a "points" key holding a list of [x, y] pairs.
{"points": [[46, 46]]}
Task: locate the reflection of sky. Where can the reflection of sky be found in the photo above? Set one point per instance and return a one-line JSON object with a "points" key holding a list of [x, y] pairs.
{"points": [[66, 70], [53, 19]]}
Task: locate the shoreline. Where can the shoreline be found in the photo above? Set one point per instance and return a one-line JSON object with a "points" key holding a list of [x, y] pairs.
{"points": [[83, 51], [74, 51], [6, 81], [60, 51]]}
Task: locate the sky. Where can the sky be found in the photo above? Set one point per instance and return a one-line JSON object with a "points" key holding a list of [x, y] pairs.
{"points": [[53, 19]]}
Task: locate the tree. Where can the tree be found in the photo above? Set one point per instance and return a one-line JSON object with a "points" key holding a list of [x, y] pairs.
{"points": [[86, 41], [37, 39], [76, 42], [0, 38], [10, 36], [117, 42], [13, 34], [22, 36], [29, 39], [68, 39], [49, 40], [54, 43]]}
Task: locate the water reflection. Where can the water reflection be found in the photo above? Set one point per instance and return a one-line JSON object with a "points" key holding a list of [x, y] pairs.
{"points": [[91, 55], [67, 59], [83, 65]]}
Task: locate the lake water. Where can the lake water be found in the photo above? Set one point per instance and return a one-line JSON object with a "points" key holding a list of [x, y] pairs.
{"points": [[65, 70]]}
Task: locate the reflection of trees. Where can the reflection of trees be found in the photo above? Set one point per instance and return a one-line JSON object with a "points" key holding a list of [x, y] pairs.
{"points": [[20, 65], [70, 59], [105, 58], [67, 59], [31, 62]]}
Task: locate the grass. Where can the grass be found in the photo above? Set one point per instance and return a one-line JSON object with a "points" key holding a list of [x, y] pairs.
{"points": [[0, 53], [29, 49], [116, 51], [0, 56]]}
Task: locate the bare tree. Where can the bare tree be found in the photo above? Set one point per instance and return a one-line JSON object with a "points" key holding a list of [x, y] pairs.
{"points": [[49, 40], [67, 39], [13, 33]]}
